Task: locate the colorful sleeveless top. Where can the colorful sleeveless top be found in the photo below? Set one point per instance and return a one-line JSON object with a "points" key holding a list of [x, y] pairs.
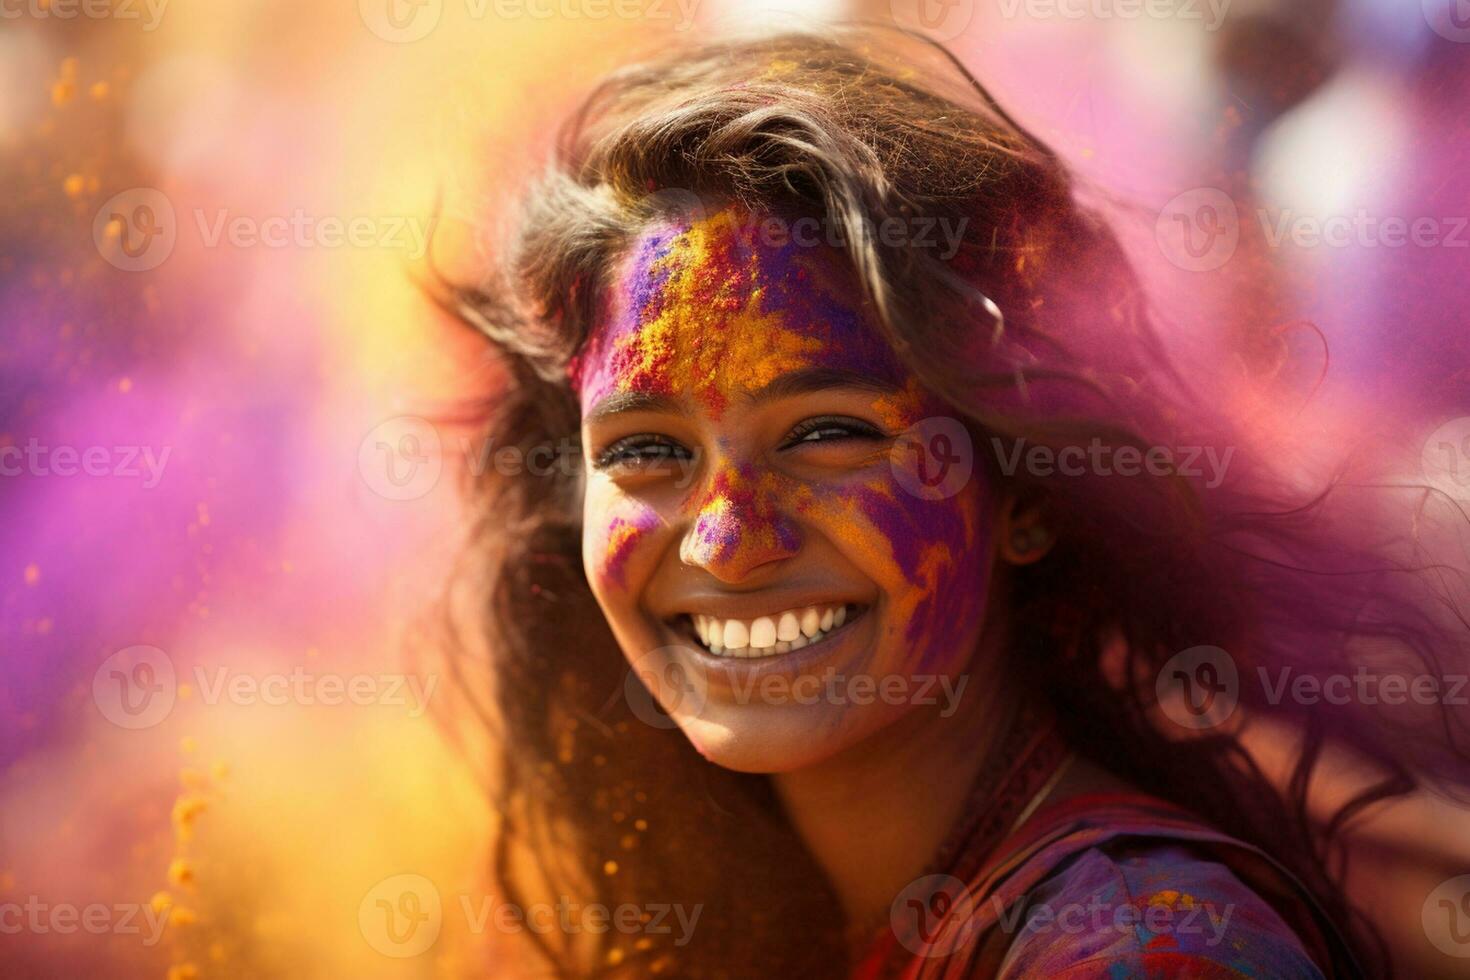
{"points": [[1100, 886]]}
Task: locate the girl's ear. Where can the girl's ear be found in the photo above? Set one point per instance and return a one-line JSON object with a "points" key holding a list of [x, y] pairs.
{"points": [[1025, 533]]}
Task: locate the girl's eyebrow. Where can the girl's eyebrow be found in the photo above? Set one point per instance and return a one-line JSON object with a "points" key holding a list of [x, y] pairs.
{"points": [[805, 381], [632, 401], [814, 379]]}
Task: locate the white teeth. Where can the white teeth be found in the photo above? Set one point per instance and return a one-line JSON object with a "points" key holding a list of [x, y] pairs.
{"points": [[737, 634], [767, 636], [811, 622]]}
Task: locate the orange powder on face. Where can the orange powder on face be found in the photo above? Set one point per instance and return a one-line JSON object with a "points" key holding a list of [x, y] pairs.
{"points": [[701, 312], [740, 521]]}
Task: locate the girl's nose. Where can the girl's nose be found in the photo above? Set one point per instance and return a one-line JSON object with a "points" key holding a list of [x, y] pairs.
{"points": [[738, 525]]}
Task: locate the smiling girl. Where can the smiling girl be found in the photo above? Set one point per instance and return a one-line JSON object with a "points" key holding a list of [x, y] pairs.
{"points": [[923, 709]]}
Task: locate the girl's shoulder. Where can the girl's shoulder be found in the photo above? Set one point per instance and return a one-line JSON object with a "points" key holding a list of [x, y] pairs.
{"points": [[1121, 883], [1146, 907], [1115, 884]]}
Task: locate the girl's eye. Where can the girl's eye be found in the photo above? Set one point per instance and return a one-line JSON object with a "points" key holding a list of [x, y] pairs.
{"points": [[640, 451], [830, 428]]}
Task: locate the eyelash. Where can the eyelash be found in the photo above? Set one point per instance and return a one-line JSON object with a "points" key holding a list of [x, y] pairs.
{"points": [[853, 429], [631, 449], [634, 448]]}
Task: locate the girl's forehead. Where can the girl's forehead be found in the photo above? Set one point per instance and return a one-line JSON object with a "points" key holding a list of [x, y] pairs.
{"points": [[710, 307]]}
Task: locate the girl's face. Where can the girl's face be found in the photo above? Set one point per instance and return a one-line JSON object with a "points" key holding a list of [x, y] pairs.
{"points": [[749, 530]]}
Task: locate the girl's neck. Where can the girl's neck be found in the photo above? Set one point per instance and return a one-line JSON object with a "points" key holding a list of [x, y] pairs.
{"points": [[874, 815]]}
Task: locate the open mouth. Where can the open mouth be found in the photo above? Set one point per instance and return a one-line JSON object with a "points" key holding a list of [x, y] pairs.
{"points": [[768, 636]]}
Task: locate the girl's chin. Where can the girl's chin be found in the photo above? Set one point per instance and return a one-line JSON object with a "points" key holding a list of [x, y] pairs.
{"points": [[775, 739]]}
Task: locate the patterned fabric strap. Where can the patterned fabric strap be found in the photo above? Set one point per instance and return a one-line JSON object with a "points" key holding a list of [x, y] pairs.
{"points": [[1001, 796], [975, 941]]}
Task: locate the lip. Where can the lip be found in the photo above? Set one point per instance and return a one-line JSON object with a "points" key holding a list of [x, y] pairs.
{"points": [[737, 674]]}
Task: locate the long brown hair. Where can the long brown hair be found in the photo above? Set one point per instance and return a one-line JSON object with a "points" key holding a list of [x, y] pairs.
{"points": [[1036, 332]]}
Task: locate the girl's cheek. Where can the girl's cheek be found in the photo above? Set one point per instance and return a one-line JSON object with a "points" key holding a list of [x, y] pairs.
{"points": [[615, 533], [927, 556]]}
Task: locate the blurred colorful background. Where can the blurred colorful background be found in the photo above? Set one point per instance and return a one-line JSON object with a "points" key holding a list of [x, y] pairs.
{"points": [[225, 512]]}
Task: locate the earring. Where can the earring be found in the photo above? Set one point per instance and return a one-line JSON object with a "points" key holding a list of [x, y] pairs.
{"points": [[1026, 540]]}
